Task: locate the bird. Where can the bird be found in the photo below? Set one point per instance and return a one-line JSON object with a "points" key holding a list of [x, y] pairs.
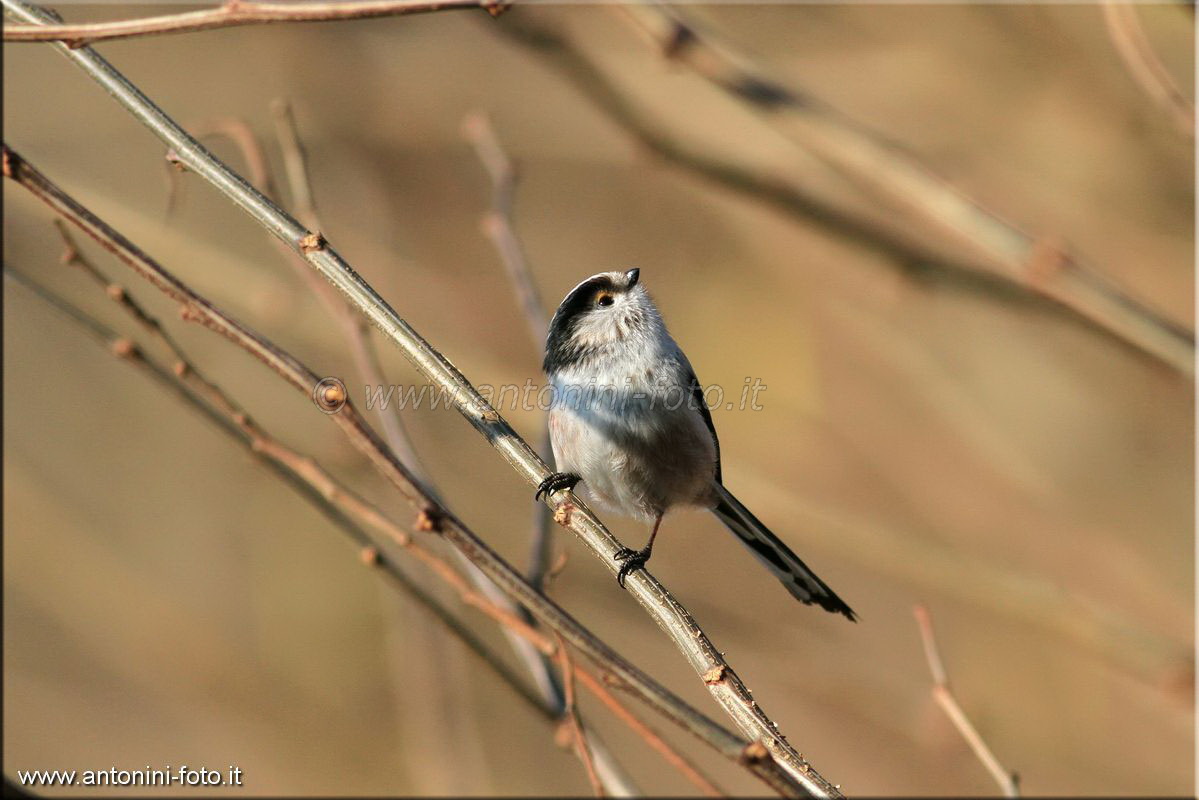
{"points": [[627, 419]]}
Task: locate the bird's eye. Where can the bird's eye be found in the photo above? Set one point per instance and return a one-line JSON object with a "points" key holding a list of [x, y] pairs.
{"points": [[604, 300]]}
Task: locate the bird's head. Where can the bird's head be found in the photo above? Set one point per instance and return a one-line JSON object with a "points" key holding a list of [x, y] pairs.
{"points": [[603, 310]]}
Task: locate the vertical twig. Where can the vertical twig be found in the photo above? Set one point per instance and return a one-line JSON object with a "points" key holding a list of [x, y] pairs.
{"points": [[497, 224], [1008, 781], [570, 718]]}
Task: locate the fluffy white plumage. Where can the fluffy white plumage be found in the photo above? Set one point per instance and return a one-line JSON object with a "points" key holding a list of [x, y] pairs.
{"points": [[622, 416]]}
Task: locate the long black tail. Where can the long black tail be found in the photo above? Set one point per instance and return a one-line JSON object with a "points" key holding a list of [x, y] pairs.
{"points": [[786, 566]]}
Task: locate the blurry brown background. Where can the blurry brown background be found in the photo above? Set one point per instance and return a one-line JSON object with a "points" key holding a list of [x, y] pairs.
{"points": [[1029, 478]]}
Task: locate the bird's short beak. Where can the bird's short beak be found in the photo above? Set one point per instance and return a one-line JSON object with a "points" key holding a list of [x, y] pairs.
{"points": [[631, 277]]}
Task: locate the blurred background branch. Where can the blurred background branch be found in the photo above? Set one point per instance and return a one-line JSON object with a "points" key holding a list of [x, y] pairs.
{"points": [[1001, 251], [1144, 67], [944, 696], [232, 13], [498, 225]]}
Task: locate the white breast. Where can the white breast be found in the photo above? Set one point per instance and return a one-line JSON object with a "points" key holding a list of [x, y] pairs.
{"points": [[631, 432]]}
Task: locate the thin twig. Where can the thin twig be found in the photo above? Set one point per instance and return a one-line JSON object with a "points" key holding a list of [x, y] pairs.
{"points": [[754, 755], [72, 256], [236, 12], [242, 135], [236, 131], [1146, 69], [780, 759], [498, 225], [652, 737], [570, 718], [1008, 781]]}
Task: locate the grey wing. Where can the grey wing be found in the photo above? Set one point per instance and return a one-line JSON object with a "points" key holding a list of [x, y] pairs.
{"points": [[697, 400]]}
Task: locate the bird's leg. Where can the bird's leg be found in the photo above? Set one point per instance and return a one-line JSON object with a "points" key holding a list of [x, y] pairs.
{"points": [[556, 481], [635, 559]]}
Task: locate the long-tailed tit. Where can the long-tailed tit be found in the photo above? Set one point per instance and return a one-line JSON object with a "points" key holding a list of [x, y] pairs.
{"points": [[629, 420]]}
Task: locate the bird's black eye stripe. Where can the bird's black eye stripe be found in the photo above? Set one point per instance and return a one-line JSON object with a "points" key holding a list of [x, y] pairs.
{"points": [[581, 299], [558, 348]]}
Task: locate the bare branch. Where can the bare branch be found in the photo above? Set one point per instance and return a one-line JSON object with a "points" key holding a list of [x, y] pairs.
{"points": [[233, 13], [497, 224], [782, 761], [672, 756], [1146, 69], [1006, 254], [754, 755], [570, 718], [893, 175], [1007, 781]]}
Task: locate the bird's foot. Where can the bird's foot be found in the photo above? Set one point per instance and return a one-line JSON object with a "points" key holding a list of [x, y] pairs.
{"points": [[555, 482], [630, 560]]}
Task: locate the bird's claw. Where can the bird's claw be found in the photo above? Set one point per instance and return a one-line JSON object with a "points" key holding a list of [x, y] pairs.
{"points": [[631, 560], [555, 482]]}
